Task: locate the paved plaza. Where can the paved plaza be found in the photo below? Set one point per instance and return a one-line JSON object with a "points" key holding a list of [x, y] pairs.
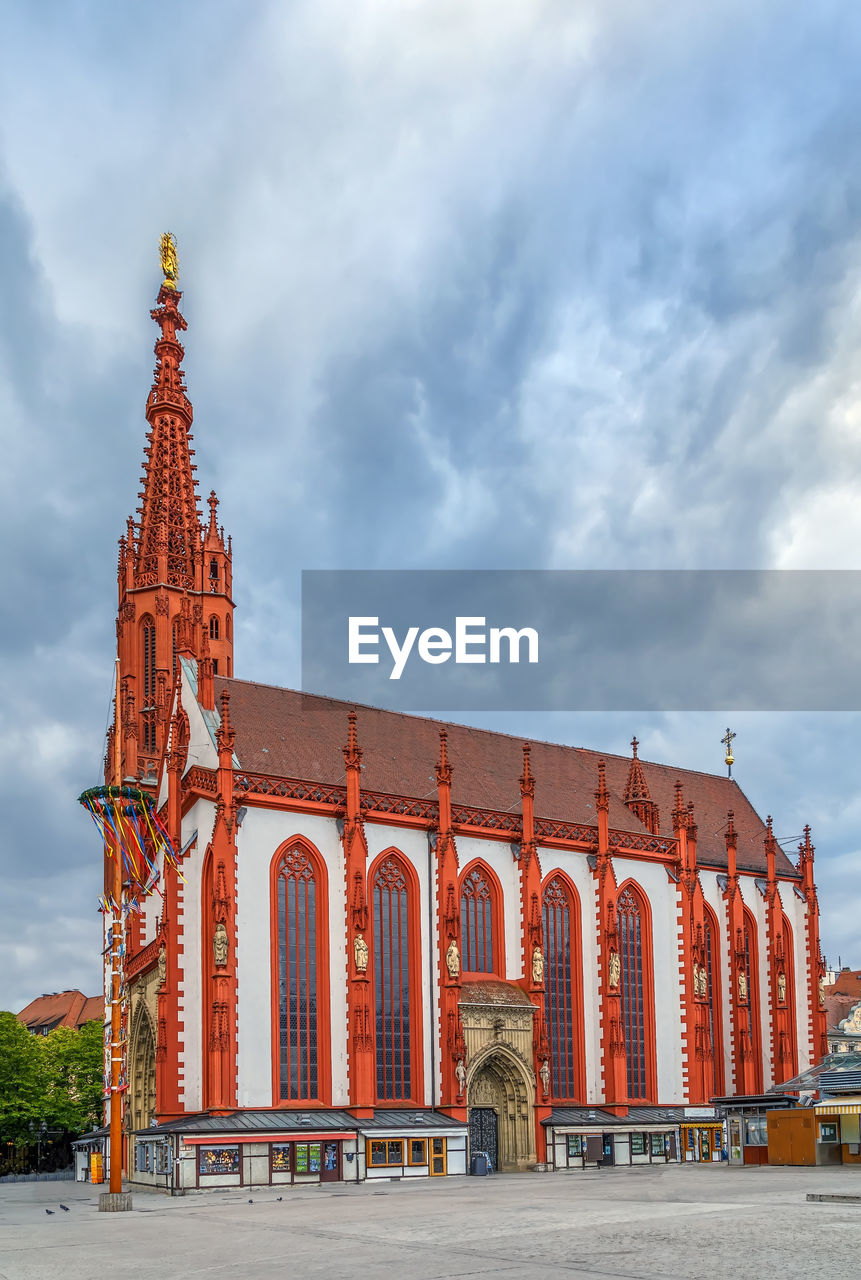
{"points": [[675, 1221]]}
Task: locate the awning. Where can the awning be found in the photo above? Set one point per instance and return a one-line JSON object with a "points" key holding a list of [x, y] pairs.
{"points": [[241, 1139], [837, 1108]]}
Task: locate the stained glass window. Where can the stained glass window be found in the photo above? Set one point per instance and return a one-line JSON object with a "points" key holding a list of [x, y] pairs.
{"points": [[392, 981], [297, 976], [559, 1000], [476, 922], [713, 998], [633, 1009]]}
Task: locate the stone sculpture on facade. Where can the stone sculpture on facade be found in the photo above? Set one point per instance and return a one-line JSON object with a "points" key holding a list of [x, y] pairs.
{"points": [[220, 944], [360, 953], [452, 959]]}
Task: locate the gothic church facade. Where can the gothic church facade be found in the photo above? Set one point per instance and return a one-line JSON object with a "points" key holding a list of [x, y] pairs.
{"points": [[395, 943]]}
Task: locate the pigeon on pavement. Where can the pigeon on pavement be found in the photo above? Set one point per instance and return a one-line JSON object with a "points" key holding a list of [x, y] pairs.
{"points": [[65, 1208], [49, 1210]]}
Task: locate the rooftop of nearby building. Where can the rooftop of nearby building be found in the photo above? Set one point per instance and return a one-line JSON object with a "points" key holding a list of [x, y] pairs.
{"points": [[289, 734], [70, 1008]]}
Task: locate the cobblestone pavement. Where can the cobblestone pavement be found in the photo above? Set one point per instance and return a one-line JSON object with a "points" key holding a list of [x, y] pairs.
{"points": [[679, 1221]]}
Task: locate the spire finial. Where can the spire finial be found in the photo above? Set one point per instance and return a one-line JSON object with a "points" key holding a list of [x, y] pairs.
{"points": [[527, 781], [602, 795], [634, 744], [352, 751], [169, 260], [443, 768], [213, 508], [729, 758]]}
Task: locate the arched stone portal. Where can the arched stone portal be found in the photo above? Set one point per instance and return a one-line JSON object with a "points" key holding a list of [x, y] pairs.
{"points": [[500, 1097], [141, 1106]]}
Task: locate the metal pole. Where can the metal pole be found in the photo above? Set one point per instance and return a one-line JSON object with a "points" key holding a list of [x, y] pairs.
{"points": [[116, 1111]]}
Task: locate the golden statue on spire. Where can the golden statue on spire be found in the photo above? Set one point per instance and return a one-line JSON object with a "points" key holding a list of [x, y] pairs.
{"points": [[169, 260]]}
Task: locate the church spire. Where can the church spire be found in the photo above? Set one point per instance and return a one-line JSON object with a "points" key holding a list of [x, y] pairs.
{"points": [[169, 511], [174, 570], [637, 796]]}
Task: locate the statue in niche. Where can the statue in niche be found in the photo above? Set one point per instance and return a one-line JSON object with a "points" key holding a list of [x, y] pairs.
{"points": [[360, 953], [821, 992], [615, 969], [538, 966], [220, 944], [742, 986], [544, 1073], [162, 967], [781, 987], [452, 959], [460, 1076]]}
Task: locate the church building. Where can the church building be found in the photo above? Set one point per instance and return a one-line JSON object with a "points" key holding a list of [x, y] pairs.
{"points": [[394, 946]]}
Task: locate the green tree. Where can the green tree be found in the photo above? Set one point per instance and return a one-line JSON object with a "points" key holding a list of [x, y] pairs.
{"points": [[71, 1071], [21, 1080]]}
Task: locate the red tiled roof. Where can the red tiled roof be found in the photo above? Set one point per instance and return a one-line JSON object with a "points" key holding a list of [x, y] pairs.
{"points": [[285, 733], [847, 983], [837, 1007], [62, 1009]]}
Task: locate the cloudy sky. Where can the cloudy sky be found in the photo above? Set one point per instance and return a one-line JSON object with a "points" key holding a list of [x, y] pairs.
{"points": [[469, 284]]}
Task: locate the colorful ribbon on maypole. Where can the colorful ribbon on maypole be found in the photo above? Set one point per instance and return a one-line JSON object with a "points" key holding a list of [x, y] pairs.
{"points": [[127, 820]]}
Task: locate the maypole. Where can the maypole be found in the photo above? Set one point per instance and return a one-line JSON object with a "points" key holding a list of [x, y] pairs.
{"points": [[134, 837]]}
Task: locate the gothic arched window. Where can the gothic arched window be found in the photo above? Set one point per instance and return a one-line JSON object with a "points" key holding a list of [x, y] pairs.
{"points": [[213, 628], [712, 957], [480, 932], [395, 1018], [791, 1062], [636, 978], [300, 934], [751, 1001], [148, 708], [563, 998]]}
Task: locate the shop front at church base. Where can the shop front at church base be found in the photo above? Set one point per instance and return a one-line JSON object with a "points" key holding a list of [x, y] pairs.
{"points": [[286, 1148]]}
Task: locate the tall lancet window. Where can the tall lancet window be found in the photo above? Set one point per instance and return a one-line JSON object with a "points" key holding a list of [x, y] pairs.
{"points": [[751, 1001], [633, 981], [298, 930], [711, 946], [562, 992], [392, 981], [476, 921]]}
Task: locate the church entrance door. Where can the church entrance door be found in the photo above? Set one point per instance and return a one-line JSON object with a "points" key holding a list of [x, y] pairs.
{"points": [[484, 1134], [501, 1116]]}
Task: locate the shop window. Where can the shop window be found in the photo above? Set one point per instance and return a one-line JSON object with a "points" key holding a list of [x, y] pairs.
{"points": [[638, 1144], [658, 1144], [575, 1146], [438, 1156], [308, 1156], [756, 1131], [828, 1133], [215, 1160], [281, 1162], [418, 1150], [385, 1151], [162, 1158]]}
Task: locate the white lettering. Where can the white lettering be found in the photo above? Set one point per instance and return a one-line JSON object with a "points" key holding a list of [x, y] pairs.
{"points": [[513, 637], [435, 645], [358, 638], [464, 638], [401, 654]]}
